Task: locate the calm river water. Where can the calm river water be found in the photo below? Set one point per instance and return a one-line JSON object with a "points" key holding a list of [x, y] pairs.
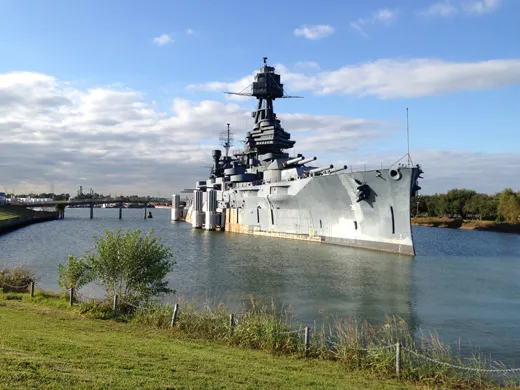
{"points": [[463, 284]]}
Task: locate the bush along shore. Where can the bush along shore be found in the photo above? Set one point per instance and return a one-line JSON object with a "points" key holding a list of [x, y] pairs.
{"points": [[386, 351], [472, 224]]}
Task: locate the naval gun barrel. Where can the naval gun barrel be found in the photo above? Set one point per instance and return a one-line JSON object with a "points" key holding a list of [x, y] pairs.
{"points": [[318, 170], [293, 160], [307, 160], [338, 169]]}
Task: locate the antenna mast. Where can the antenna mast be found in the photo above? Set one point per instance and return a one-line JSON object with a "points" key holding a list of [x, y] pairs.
{"points": [[408, 139], [226, 137]]}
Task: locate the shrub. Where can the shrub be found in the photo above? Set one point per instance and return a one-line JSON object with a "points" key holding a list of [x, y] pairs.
{"points": [[16, 278], [131, 265], [75, 275]]}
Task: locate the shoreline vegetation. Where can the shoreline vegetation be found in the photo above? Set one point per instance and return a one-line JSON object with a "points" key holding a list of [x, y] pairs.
{"points": [[42, 335], [469, 205], [468, 224]]}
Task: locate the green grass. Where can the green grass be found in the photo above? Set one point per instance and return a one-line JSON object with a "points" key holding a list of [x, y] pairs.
{"points": [[44, 346], [7, 212]]}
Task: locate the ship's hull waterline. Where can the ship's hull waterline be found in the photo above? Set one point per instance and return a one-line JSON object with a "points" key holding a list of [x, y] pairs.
{"points": [[322, 209]]}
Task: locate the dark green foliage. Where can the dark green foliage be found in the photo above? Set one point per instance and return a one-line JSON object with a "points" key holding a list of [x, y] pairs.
{"points": [[467, 204], [75, 275], [131, 265], [509, 206]]}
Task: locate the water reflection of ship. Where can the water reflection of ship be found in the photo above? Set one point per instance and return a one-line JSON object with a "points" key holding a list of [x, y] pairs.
{"points": [[311, 278]]}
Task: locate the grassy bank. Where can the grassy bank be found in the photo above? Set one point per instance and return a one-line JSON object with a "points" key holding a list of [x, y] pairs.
{"points": [[44, 345], [8, 211], [472, 224]]}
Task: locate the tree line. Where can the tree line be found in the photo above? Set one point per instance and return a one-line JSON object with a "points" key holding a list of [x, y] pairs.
{"points": [[468, 204]]}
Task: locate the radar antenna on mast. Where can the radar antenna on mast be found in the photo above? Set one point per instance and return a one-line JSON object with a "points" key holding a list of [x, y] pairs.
{"points": [[226, 139], [272, 82]]}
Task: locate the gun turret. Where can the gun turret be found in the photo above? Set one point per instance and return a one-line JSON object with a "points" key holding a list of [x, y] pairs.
{"points": [[294, 160], [338, 169], [307, 160], [318, 170]]}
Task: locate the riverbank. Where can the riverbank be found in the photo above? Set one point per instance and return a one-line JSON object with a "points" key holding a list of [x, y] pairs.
{"points": [[43, 334], [15, 217], [472, 224], [45, 345]]}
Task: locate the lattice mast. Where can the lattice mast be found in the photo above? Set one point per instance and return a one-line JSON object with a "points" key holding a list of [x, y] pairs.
{"points": [[226, 140]]}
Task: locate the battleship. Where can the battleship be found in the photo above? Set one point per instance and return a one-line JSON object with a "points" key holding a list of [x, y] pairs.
{"points": [[262, 190]]}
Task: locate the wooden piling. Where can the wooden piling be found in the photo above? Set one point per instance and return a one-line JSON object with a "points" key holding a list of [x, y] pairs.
{"points": [[32, 289], [120, 210], [398, 359], [231, 324], [91, 210], [71, 296], [115, 305], [145, 210], [307, 341], [174, 315]]}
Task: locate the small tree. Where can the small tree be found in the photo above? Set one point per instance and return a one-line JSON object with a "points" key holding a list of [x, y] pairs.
{"points": [[130, 265], [75, 275]]}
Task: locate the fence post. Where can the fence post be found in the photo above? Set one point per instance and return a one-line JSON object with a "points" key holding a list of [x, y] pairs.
{"points": [[231, 324], [174, 315], [398, 359], [71, 296], [115, 305], [32, 289], [307, 341]]}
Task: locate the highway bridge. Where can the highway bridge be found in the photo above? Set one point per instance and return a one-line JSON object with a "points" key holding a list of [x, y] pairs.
{"points": [[60, 205]]}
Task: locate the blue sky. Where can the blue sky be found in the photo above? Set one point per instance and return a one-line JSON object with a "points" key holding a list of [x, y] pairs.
{"points": [[109, 45]]}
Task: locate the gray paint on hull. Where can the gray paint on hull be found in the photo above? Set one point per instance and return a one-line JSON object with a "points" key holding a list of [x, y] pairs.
{"points": [[325, 208]]}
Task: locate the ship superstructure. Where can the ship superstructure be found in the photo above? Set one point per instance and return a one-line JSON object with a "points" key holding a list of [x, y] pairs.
{"points": [[261, 190]]}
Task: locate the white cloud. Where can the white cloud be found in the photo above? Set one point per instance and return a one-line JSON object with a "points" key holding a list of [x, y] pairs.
{"points": [[112, 140], [314, 32], [383, 15], [440, 9], [189, 31], [307, 65], [391, 79], [481, 6], [448, 169], [447, 8], [162, 40]]}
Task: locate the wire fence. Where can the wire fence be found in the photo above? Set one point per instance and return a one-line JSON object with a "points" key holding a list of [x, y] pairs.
{"points": [[306, 332], [399, 347]]}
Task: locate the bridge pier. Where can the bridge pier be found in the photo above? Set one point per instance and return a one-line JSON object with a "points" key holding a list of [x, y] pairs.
{"points": [[91, 210], [60, 208]]}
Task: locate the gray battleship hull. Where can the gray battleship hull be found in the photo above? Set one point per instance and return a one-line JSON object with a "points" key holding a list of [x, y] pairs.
{"points": [[323, 209]]}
